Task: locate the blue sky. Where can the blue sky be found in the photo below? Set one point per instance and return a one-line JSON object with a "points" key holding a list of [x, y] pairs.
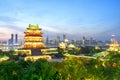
{"points": [[75, 18]]}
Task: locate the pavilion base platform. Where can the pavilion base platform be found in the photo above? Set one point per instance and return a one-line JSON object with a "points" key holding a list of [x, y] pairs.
{"points": [[33, 54]]}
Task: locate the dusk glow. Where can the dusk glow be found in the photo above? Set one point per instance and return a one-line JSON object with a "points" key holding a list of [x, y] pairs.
{"points": [[60, 40], [93, 18]]}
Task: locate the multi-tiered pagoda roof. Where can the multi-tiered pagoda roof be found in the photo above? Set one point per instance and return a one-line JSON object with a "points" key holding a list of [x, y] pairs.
{"points": [[33, 37]]}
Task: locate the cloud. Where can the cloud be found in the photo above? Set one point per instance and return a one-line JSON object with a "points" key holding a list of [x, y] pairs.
{"points": [[12, 27], [6, 32], [50, 29], [52, 26], [7, 19]]}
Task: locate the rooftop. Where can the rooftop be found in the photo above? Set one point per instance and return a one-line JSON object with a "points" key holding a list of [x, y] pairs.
{"points": [[33, 26]]}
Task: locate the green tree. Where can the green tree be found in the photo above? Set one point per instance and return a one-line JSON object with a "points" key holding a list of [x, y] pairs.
{"points": [[113, 69], [94, 69], [9, 71], [72, 69], [39, 70]]}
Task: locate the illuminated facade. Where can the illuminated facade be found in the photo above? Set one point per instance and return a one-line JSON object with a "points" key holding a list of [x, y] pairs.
{"points": [[62, 45], [71, 46], [114, 46], [33, 37], [34, 58]]}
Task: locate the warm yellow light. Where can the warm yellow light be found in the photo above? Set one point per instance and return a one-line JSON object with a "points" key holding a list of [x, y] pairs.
{"points": [[33, 37]]}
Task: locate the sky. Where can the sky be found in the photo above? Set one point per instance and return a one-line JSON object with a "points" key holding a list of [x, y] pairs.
{"points": [[76, 18]]}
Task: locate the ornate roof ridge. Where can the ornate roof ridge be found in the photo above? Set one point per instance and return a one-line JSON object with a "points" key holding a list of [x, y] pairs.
{"points": [[34, 26]]}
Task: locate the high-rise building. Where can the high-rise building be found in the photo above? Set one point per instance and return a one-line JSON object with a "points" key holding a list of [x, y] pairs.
{"points": [[58, 40], [114, 40], [11, 40], [91, 41], [84, 38], [64, 37], [16, 38], [47, 40]]}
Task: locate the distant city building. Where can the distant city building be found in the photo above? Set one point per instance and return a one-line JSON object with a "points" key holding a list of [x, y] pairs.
{"points": [[16, 38], [11, 40], [7, 45], [114, 40], [64, 37], [84, 38], [84, 41], [3, 42], [91, 41], [114, 46], [58, 40], [47, 40]]}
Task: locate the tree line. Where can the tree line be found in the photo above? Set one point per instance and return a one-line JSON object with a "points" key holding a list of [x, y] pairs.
{"points": [[71, 69]]}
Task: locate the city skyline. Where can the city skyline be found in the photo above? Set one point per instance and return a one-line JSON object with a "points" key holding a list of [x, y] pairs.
{"points": [[92, 18]]}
